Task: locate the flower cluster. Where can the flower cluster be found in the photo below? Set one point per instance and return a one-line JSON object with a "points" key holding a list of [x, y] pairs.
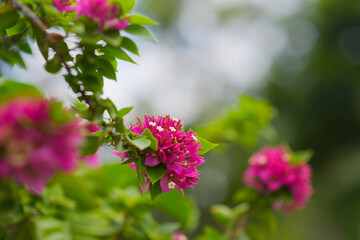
{"points": [[271, 171], [176, 150], [100, 11], [33, 146]]}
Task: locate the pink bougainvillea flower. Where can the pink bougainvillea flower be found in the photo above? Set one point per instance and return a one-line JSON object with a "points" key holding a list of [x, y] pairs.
{"points": [[33, 146], [270, 170], [176, 150], [94, 9], [64, 5], [100, 11]]}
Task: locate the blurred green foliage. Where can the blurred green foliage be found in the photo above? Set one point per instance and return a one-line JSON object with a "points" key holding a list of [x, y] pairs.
{"points": [[318, 99], [242, 124], [104, 203]]}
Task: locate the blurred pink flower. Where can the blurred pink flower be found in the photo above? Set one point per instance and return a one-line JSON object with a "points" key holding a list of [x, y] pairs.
{"points": [[33, 146], [270, 171], [64, 5], [179, 236], [176, 150], [100, 11]]}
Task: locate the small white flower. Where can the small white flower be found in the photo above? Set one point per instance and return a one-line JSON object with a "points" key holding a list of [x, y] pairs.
{"points": [[175, 119], [194, 137], [152, 124], [171, 185], [172, 129], [159, 128]]}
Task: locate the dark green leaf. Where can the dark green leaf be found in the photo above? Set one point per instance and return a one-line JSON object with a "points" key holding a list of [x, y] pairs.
{"points": [[155, 191], [106, 68], [140, 163], [119, 125], [155, 173], [53, 65], [117, 52], [206, 146], [92, 82], [8, 19], [40, 40], [140, 31], [129, 45], [113, 38]]}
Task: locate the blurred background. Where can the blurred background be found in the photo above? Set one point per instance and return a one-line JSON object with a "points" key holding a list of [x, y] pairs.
{"points": [[301, 55]]}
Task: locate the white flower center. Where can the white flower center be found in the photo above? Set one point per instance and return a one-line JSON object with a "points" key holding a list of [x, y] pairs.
{"points": [[194, 137], [172, 129], [152, 124], [175, 119], [171, 185], [159, 128]]}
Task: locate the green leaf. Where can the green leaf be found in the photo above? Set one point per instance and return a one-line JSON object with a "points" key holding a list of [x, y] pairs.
{"points": [[40, 40], [19, 27], [141, 20], [25, 47], [169, 228], [78, 189], [301, 157], [155, 173], [155, 191], [112, 37], [180, 208], [105, 68], [140, 163], [222, 214], [58, 114], [129, 45], [117, 52], [206, 146], [8, 19], [92, 82], [140, 31], [53, 65], [124, 111], [126, 5], [10, 90], [50, 228], [89, 146], [154, 143], [119, 125], [141, 143]]}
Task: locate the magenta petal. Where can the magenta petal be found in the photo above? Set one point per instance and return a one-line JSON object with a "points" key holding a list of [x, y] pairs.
{"points": [[147, 185], [151, 161], [122, 155], [133, 166], [93, 161], [164, 184]]}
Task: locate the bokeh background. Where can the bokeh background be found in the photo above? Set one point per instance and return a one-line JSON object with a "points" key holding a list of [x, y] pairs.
{"points": [[301, 55]]}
